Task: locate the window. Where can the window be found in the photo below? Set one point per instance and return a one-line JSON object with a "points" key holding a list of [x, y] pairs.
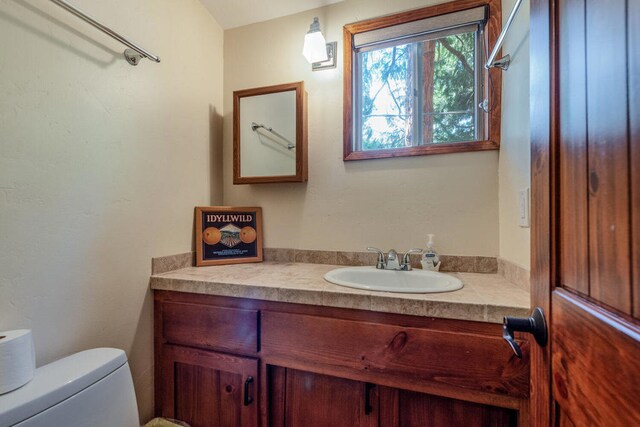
{"points": [[415, 82]]}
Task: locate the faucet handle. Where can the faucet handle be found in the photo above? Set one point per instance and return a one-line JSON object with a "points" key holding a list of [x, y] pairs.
{"points": [[381, 264], [406, 260]]}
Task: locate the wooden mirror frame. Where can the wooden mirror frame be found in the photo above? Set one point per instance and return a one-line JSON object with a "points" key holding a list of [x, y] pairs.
{"points": [[301, 134]]}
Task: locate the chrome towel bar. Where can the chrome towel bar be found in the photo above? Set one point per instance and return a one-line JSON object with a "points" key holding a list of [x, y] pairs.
{"points": [[255, 126], [133, 55], [503, 62]]}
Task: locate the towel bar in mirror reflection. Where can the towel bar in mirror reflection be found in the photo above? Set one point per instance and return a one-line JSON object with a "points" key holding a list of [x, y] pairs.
{"points": [[279, 139], [270, 134]]}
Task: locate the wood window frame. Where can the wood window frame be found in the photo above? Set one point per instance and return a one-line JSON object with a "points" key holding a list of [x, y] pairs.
{"points": [[491, 140]]}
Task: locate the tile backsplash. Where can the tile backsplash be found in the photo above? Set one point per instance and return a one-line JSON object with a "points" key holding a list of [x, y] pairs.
{"points": [[450, 263]]}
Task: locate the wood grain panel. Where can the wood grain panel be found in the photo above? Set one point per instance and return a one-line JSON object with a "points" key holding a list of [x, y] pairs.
{"points": [[608, 154], [434, 323], [633, 52], [389, 416], [542, 89], [314, 400], [229, 387], [198, 395], [442, 359], [573, 245], [276, 395], [205, 389], [424, 410], [160, 393], [596, 369], [562, 420], [220, 328]]}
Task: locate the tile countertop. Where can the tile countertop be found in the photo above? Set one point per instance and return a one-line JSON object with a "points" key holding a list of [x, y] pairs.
{"points": [[484, 297]]}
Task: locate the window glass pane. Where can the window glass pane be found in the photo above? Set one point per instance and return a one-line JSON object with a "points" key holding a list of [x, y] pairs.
{"points": [[387, 107], [448, 89], [418, 93]]}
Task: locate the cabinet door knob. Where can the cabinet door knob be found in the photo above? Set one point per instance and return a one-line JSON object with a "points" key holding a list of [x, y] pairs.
{"points": [[247, 398], [534, 324]]}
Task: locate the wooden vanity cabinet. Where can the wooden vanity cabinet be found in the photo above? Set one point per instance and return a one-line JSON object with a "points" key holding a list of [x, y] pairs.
{"points": [[239, 362], [405, 408], [207, 369], [299, 398], [207, 388]]}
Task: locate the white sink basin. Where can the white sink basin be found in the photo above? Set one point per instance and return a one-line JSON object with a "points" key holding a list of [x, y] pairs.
{"points": [[373, 279]]}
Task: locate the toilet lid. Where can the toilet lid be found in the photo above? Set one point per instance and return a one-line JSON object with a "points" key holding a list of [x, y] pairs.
{"points": [[58, 381]]}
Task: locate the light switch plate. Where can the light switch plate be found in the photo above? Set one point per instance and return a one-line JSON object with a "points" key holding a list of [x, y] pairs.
{"points": [[523, 208]]}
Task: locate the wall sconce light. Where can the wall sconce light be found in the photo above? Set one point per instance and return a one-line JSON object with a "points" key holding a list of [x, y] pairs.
{"points": [[316, 50]]}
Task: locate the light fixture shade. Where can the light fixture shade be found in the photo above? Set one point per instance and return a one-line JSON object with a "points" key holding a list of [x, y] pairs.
{"points": [[315, 46]]}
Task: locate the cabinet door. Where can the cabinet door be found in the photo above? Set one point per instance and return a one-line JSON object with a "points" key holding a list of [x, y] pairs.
{"points": [[209, 389], [403, 408], [305, 399]]}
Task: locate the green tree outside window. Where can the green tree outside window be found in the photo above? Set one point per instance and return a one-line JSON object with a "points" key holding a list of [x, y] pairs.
{"points": [[433, 81]]}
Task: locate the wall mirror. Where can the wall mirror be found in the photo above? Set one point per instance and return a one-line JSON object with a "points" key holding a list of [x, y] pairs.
{"points": [[270, 134]]}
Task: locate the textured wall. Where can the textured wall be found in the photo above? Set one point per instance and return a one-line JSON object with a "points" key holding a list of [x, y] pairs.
{"points": [[101, 164], [349, 206], [515, 158]]}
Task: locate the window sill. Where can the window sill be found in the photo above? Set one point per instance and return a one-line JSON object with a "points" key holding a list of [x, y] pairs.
{"points": [[458, 147]]}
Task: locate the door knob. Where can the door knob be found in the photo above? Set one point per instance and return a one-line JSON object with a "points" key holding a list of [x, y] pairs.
{"points": [[534, 324]]}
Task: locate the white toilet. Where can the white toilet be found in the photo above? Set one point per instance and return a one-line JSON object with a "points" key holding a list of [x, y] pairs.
{"points": [[92, 388]]}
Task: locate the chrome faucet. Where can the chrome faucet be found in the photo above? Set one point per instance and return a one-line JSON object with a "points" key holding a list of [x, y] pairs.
{"points": [[381, 264], [406, 259], [392, 263]]}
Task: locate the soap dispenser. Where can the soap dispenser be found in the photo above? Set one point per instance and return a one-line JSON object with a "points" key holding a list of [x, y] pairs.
{"points": [[430, 259]]}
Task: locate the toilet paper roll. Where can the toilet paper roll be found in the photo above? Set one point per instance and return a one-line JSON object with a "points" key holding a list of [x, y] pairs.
{"points": [[17, 359]]}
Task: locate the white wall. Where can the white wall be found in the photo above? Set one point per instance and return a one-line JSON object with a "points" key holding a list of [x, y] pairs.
{"points": [[515, 158], [351, 205], [101, 164]]}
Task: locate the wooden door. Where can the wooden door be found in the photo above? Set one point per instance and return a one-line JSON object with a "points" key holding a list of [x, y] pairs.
{"points": [[404, 408], [305, 399], [209, 389], [585, 121]]}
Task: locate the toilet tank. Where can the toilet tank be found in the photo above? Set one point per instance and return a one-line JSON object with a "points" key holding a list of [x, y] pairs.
{"points": [[91, 388]]}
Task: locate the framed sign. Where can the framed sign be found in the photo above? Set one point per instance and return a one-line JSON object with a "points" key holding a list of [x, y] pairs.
{"points": [[228, 235]]}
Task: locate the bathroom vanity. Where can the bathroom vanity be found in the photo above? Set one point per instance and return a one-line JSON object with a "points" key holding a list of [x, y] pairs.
{"points": [[273, 344]]}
